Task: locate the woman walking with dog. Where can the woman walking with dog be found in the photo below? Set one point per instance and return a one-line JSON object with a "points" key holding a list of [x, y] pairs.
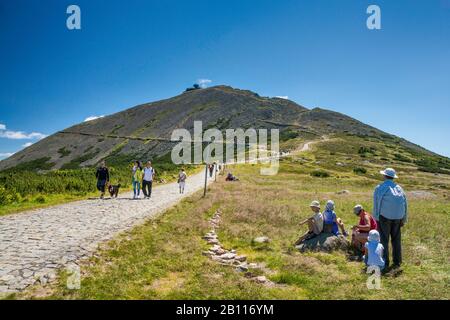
{"points": [[102, 176]]}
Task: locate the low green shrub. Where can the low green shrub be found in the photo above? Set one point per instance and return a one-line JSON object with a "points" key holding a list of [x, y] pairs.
{"points": [[359, 170], [320, 174], [40, 199]]}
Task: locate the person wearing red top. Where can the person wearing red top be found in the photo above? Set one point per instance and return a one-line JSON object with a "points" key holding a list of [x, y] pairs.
{"points": [[361, 231]]}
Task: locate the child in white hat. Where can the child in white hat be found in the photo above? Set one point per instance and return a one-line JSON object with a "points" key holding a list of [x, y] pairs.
{"points": [[374, 250]]}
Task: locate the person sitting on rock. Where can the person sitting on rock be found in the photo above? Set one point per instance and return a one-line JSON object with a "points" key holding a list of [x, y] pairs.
{"points": [[361, 231], [315, 223], [230, 177], [331, 223]]}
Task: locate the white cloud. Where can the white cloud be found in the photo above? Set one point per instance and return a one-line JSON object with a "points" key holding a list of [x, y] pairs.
{"points": [[282, 97], [203, 83], [28, 144], [93, 118], [4, 155], [20, 135]]}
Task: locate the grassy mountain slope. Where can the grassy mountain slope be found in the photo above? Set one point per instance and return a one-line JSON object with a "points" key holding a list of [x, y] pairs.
{"points": [[163, 258]]}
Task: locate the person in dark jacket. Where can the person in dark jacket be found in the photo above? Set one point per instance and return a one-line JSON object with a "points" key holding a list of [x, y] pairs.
{"points": [[102, 176]]}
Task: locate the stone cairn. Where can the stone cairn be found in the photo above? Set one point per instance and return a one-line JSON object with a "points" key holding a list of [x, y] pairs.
{"points": [[230, 258]]}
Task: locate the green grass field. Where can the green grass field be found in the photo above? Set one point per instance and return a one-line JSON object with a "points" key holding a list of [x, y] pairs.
{"points": [[163, 259]]}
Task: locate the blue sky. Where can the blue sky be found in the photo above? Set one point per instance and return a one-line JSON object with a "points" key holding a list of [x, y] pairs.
{"points": [[318, 53]]}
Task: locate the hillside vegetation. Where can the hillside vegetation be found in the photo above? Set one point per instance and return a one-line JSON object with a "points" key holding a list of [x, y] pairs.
{"points": [[163, 258]]}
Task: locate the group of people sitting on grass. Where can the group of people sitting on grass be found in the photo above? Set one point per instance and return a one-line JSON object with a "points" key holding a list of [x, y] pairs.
{"points": [[370, 237]]}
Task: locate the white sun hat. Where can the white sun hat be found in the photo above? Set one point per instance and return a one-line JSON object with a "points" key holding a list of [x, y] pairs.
{"points": [[357, 209], [315, 204], [389, 172], [374, 235]]}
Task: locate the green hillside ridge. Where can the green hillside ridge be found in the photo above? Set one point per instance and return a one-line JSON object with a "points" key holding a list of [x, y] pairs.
{"points": [[144, 131]]}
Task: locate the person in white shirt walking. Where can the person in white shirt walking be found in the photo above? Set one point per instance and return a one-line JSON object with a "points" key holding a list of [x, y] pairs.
{"points": [[147, 182]]}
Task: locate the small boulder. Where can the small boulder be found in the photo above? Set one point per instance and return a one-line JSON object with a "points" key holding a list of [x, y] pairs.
{"points": [[228, 256], [207, 253], [263, 239], [343, 192], [324, 242], [213, 241], [261, 279], [242, 268]]}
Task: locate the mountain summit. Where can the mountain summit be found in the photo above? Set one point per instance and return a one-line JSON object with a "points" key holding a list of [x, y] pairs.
{"points": [[143, 131]]}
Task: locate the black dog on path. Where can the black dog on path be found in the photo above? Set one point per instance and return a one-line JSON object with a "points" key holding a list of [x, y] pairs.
{"points": [[114, 190]]}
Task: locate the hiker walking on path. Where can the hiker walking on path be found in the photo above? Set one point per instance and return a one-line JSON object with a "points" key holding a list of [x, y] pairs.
{"points": [[137, 179], [182, 176], [211, 169], [315, 223], [331, 223], [102, 176], [360, 232], [147, 182], [390, 209]]}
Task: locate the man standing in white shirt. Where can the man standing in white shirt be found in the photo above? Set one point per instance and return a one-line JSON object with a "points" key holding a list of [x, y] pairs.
{"points": [[149, 174]]}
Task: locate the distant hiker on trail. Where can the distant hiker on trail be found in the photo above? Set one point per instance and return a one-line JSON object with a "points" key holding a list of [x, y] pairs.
{"points": [[182, 176], [137, 179], [211, 169], [362, 229], [331, 223], [102, 176], [315, 223], [147, 182], [390, 209], [374, 251]]}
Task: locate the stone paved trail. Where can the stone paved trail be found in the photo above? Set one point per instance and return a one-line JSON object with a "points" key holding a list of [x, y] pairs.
{"points": [[35, 244]]}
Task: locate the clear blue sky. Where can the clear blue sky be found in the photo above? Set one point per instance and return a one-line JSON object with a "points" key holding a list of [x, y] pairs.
{"points": [[319, 53]]}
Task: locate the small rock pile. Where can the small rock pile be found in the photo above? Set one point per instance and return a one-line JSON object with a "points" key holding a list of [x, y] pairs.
{"points": [[230, 257]]}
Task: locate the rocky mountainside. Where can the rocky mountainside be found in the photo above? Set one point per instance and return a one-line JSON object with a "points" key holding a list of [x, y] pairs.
{"points": [[143, 131]]}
